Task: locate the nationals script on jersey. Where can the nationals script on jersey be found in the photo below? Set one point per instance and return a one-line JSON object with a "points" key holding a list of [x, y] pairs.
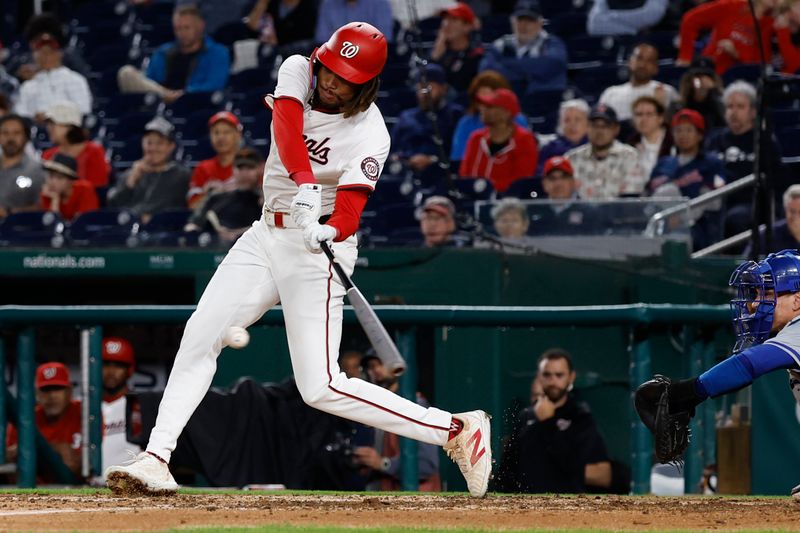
{"points": [[343, 151]]}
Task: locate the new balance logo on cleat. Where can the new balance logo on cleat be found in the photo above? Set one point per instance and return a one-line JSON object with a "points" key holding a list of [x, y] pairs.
{"points": [[471, 451], [476, 455]]}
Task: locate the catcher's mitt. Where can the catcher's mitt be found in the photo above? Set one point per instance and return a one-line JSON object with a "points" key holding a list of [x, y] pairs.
{"points": [[670, 430]]}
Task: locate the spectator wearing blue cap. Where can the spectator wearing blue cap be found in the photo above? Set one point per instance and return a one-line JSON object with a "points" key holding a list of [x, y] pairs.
{"points": [[529, 56], [413, 135]]}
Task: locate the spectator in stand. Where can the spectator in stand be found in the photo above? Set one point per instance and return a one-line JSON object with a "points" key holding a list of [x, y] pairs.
{"points": [[568, 215], [22, 63], [155, 182], [382, 461], [651, 138], [454, 49], [118, 365], [438, 224], [350, 363], [787, 29], [734, 39], [734, 145], [65, 129], [193, 63], [624, 17], [58, 418], [284, 23], [334, 14], [643, 67], [530, 55], [786, 232], [482, 85], [556, 446], [413, 134], [21, 176], [53, 82], [230, 213], [693, 172], [63, 192], [511, 219], [604, 167], [213, 174], [503, 151], [700, 89], [573, 124]]}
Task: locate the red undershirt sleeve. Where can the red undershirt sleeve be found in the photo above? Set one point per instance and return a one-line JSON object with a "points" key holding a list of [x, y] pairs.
{"points": [[287, 121], [347, 210]]}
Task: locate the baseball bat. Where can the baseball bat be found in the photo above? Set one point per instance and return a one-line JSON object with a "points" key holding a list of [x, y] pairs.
{"points": [[380, 339]]}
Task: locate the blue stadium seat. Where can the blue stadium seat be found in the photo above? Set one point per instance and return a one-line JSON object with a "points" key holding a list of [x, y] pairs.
{"points": [[474, 189], [191, 102], [257, 128], [127, 128], [102, 227], [393, 101], [606, 49], [112, 55], [32, 228], [536, 104], [193, 152], [783, 119], [741, 72], [195, 127], [789, 140], [249, 104], [494, 27], [554, 7], [391, 190], [392, 218], [165, 227], [526, 189], [124, 154], [569, 23], [251, 80], [671, 74], [592, 81]]}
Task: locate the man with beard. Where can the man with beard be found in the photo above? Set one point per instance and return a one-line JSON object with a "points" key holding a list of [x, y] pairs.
{"points": [[118, 365], [557, 447], [382, 462], [21, 177]]}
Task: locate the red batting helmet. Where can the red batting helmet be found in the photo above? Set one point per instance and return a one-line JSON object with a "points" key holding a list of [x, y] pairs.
{"points": [[118, 350], [357, 52]]}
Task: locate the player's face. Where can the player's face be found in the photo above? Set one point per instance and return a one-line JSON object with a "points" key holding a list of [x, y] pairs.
{"points": [[436, 227], [333, 90], [643, 63], [739, 114], [54, 400], [511, 224], [12, 138], [574, 124], [556, 378], [602, 133], [687, 137], [558, 185], [156, 149], [225, 137], [114, 375], [646, 119]]}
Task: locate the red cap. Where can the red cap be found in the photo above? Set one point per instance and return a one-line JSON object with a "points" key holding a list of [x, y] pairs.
{"points": [[504, 98], [119, 350], [691, 116], [460, 11], [45, 39], [558, 163], [357, 52], [225, 116], [52, 375]]}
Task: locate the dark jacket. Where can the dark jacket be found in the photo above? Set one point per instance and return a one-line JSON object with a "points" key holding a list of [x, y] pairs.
{"points": [[696, 177], [543, 72], [155, 191]]}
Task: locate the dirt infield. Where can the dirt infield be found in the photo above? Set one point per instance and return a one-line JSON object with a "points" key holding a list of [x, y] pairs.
{"points": [[104, 512]]}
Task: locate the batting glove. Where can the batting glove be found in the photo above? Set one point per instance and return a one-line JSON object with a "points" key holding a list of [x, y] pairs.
{"points": [[306, 204], [316, 233]]}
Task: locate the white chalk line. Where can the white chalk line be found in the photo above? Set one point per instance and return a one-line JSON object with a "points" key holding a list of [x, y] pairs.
{"points": [[58, 511]]}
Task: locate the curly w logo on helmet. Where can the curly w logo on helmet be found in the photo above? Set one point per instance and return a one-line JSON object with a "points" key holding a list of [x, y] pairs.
{"points": [[349, 50]]}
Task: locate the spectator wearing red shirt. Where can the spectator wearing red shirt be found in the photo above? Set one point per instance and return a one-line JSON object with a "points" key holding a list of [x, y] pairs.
{"points": [[63, 192], [64, 126], [213, 174], [787, 26], [503, 151], [734, 39], [58, 417]]}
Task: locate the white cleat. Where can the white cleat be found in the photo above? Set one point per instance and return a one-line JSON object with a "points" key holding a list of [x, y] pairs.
{"points": [[796, 493], [143, 475], [471, 450]]}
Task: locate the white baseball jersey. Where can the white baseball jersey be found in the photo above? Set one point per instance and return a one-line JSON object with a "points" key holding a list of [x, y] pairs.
{"points": [[115, 443], [343, 151]]}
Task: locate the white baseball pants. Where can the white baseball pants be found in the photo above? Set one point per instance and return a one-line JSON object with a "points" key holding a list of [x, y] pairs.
{"points": [[268, 265]]}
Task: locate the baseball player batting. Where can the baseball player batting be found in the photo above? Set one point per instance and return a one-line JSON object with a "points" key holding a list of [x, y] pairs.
{"points": [[766, 319], [329, 145]]}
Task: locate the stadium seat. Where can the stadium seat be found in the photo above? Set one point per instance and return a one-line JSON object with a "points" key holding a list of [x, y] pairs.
{"points": [[164, 227], [494, 27], [391, 190], [605, 49], [251, 80], [32, 228], [670, 74], [592, 81], [474, 189], [112, 55], [192, 152], [191, 102], [536, 104], [102, 227], [789, 140], [396, 100], [526, 189], [748, 73], [195, 127], [569, 23]]}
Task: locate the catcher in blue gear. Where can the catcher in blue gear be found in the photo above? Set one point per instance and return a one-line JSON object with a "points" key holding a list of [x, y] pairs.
{"points": [[766, 319]]}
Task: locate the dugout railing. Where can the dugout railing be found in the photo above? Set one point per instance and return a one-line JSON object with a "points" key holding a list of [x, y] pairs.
{"points": [[640, 319]]}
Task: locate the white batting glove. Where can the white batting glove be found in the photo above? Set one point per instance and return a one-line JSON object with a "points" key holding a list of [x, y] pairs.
{"points": [[306, 204], [316, 233]]}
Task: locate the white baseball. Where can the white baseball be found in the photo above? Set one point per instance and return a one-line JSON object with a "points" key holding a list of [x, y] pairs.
{"points": [[237, 337]]}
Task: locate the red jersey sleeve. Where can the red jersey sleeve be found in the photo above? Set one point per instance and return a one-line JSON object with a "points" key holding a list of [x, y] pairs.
{"points": [[287, 122], [347, 210], [790, 53]]}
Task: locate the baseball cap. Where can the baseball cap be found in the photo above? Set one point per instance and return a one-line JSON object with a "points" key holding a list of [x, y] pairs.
{"points": [[504, 98], [603, 112], [45, 39], [558, 163], [52, 375], [161, 126], [527, 8], [439, 204], [247, 157], [118, 350], [63, 164], [433, 73], [460, 11], [691, 116], [225, 116], [65, 113]]}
